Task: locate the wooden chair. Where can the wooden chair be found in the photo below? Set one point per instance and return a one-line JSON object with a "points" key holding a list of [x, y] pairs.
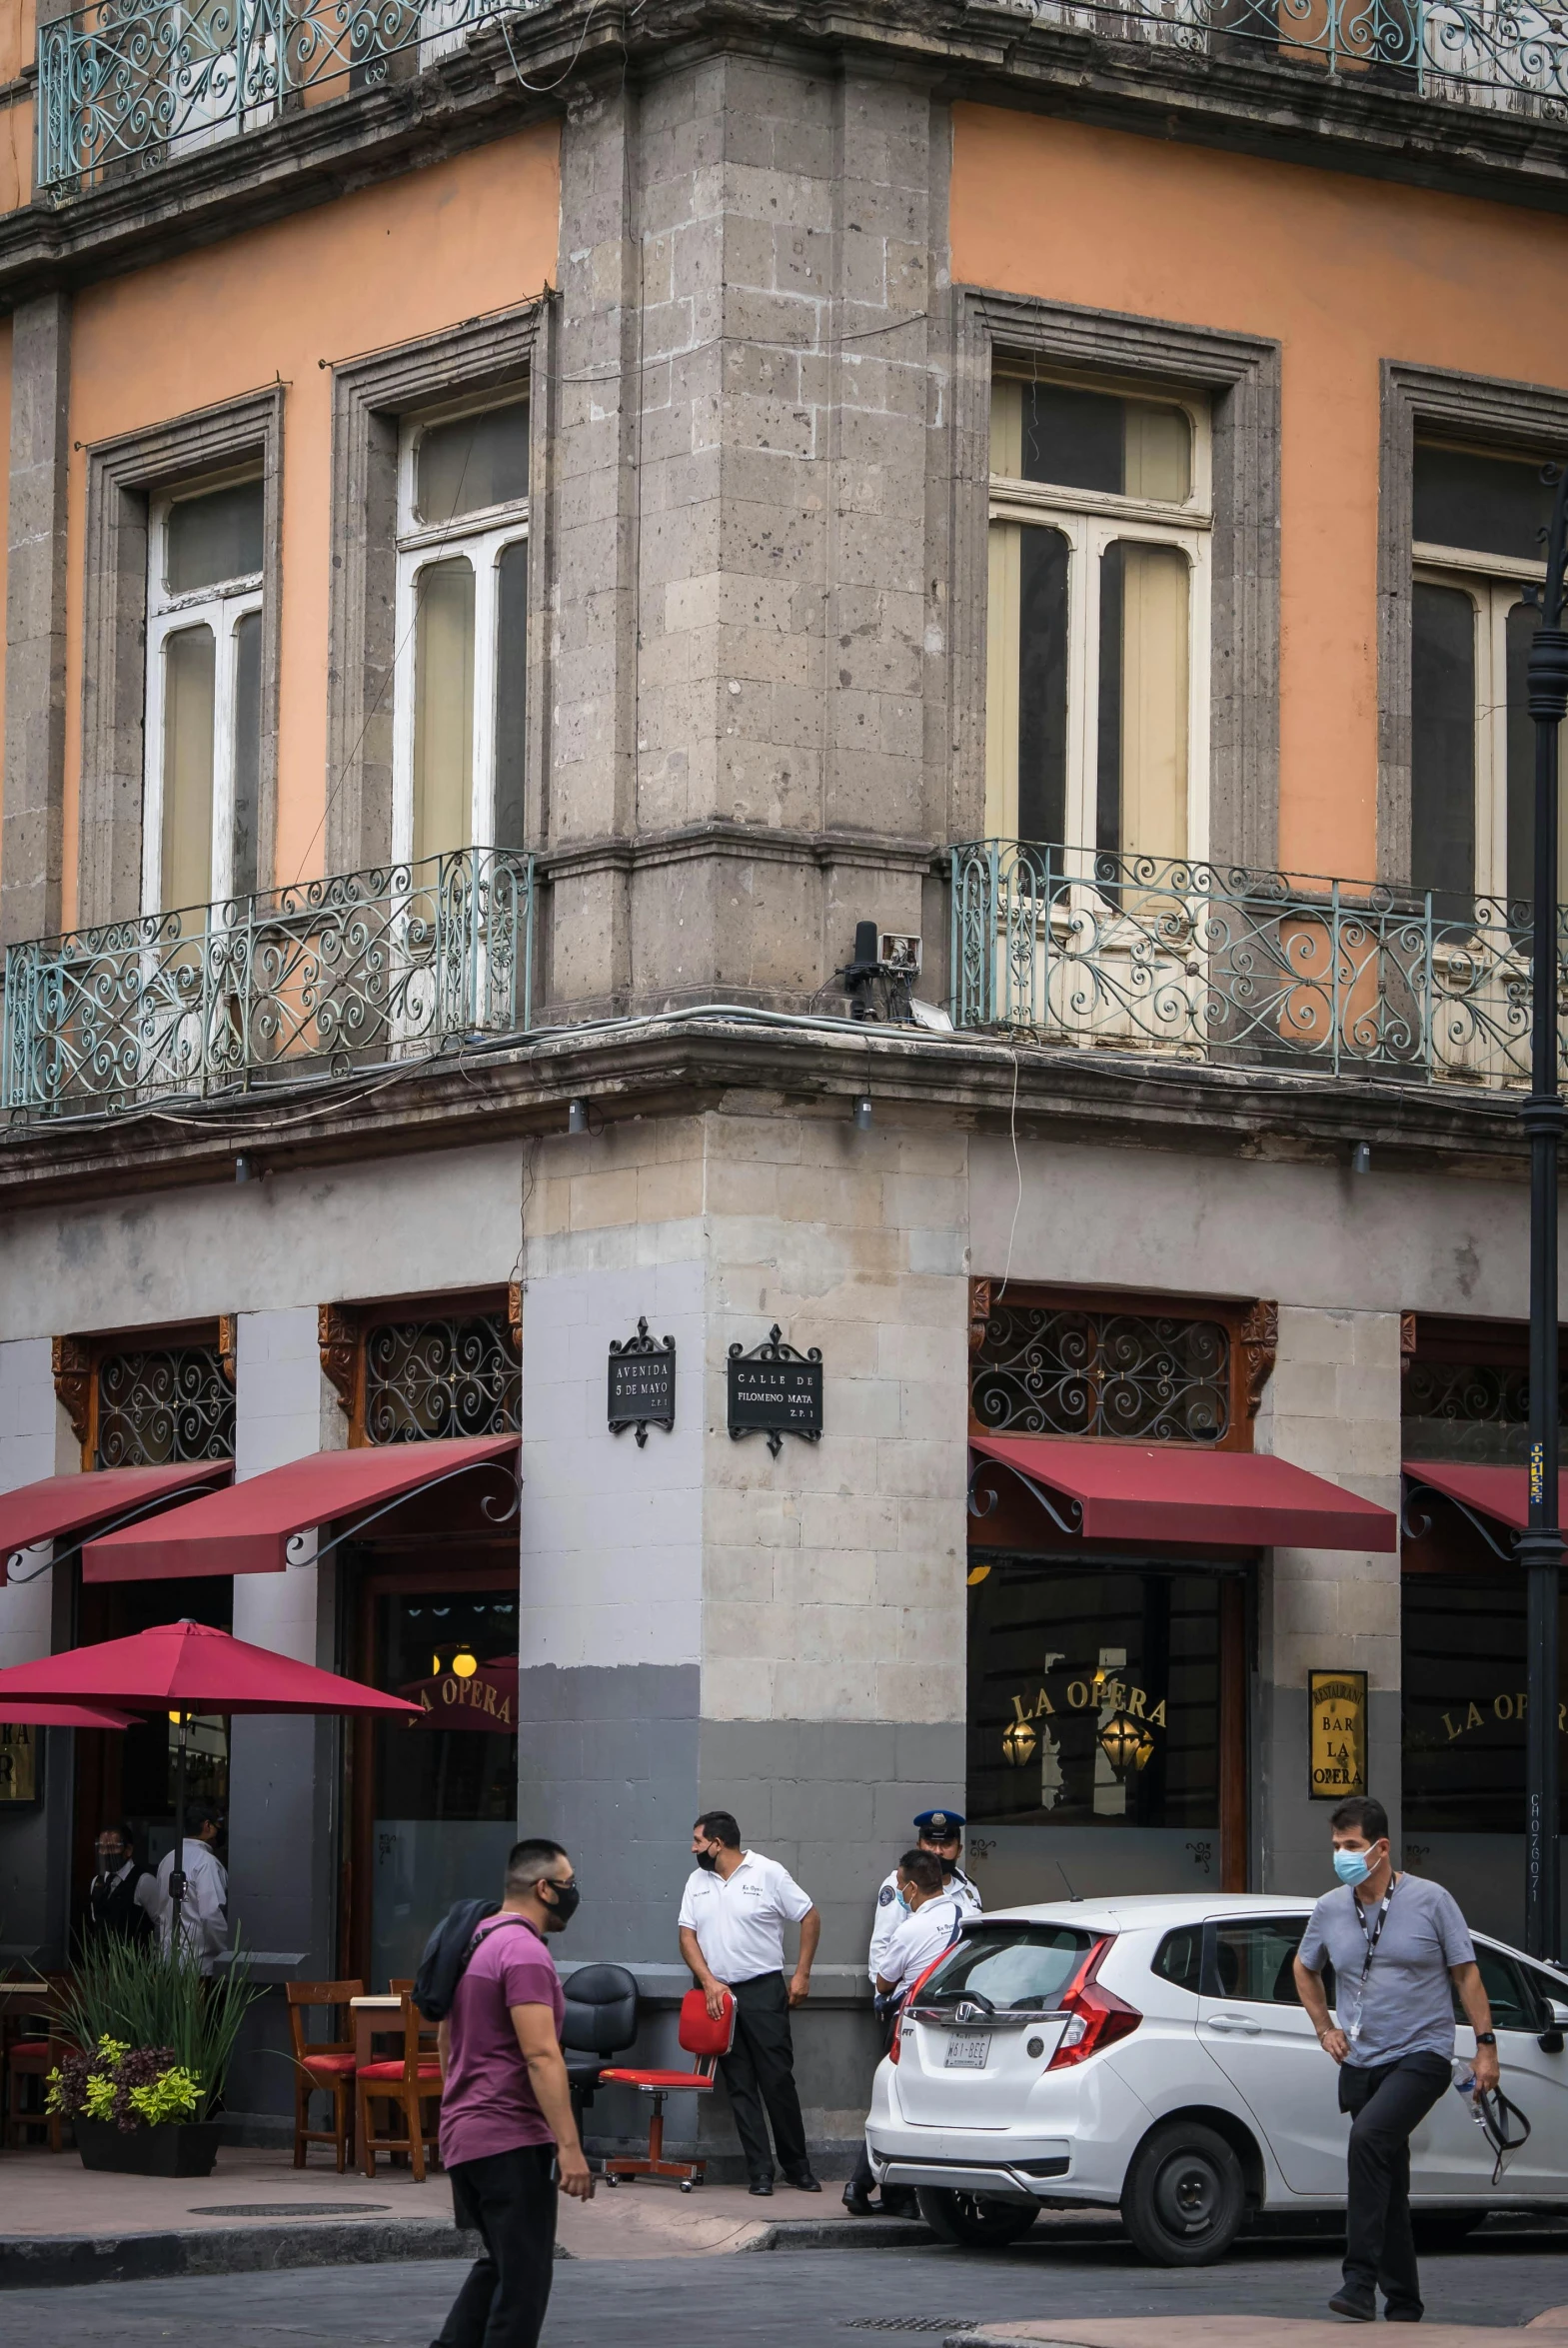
{"points": [[32, 2053], [410, 2082], [323, 2066]]}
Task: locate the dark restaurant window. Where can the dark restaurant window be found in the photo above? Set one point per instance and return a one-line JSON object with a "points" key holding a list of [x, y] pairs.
{"points": [[1464, 1703], [1095, 1698]]}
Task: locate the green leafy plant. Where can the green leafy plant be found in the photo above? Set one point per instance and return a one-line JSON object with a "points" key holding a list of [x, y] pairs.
{"points": [[124, 2086], [141, 1998]]}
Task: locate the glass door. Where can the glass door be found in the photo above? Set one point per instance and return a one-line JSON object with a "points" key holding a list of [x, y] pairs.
{"points": [[437, 1811]]}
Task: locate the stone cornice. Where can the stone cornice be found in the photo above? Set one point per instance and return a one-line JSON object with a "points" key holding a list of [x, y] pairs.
{"points": [[677, 1065], [987, 53], [756, 843]]}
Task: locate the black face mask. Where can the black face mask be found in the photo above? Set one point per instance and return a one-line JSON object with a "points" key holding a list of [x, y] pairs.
{"points": [[564, 1904], [708, 1859]]}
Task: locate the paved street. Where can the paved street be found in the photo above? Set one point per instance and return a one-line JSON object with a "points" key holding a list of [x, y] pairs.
{"points": [[780, 2299]]}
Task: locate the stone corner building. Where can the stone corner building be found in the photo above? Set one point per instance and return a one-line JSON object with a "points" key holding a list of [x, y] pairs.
{"points": [[532, 535]]}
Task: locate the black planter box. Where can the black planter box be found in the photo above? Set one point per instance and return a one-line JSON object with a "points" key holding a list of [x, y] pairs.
{"points": [[177, 2148]]}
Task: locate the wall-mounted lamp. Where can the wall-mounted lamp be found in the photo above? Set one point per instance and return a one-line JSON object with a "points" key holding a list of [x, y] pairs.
{"points": [[1361, 1158], [244, 1170], [577, 1117], [862, 1114]]}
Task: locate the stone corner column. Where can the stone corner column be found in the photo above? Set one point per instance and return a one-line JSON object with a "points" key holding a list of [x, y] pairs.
{"points": [[1333, 1408], [32, 824]]}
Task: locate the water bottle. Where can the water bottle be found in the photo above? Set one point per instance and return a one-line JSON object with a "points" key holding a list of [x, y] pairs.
{"points": [[1466, 2085]]}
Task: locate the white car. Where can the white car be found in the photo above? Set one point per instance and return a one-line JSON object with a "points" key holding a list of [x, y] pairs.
{"points": [[1150, 2055]]}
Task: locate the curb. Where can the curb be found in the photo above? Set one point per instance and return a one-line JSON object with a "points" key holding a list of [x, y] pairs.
{"points": [[38, 2262], [835, 2234], [54, 2261]]}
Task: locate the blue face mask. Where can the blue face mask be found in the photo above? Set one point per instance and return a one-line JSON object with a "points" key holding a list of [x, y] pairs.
{"points": [[1350, 1866]]}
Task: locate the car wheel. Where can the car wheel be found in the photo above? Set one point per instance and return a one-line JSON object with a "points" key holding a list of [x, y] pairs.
{"points": [[973, 2221], [1184, 2198], [1440, 2229]]}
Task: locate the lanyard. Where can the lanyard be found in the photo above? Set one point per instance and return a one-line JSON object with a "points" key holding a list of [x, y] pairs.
{"points": [[1373, 1934]]}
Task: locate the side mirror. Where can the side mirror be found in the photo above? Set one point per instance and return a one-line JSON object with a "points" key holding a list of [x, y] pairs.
{"points": [[1551, 2038]]}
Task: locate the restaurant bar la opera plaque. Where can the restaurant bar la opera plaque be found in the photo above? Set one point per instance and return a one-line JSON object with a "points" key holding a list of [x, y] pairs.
{"points": [[1337, 1734]]}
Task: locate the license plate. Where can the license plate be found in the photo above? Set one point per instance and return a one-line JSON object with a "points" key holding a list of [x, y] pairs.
{"points": [[969, 2052]]}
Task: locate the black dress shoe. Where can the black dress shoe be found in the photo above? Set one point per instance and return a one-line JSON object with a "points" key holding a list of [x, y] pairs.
{"points": [[761, 2185], [804, 2182], [858, 2204], [1402, 2311], [1357, 2307]]}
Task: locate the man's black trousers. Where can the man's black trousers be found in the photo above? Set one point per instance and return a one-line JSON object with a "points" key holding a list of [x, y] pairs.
{"points": [[508, 2200], [758, 2070], [1388, 2102]]}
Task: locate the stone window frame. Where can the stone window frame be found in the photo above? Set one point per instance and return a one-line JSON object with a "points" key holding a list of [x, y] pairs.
{"points": [[1242, 374], [371, 396], [123, 476], [1491, 414]]}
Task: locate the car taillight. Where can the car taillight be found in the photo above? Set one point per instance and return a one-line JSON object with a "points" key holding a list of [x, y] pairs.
{"points": [[1096, 2017], [902, 2023]]}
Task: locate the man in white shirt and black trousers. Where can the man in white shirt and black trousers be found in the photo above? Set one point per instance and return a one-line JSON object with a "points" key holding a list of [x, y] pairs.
{"points": [[733, 1915], [931, 1913]]}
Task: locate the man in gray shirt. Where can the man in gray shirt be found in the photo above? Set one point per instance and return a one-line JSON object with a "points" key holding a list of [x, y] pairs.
{"points": [[1400, 1949]]}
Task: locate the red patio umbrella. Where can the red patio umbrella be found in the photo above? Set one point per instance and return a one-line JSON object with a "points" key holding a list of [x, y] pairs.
{"points": [[181, 1668], [19, 1715]]}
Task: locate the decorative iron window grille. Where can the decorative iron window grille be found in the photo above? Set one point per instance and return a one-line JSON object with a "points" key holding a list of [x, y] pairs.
{"points": [[159, 1405], [1470, 1411], [454, 1375], [1063, 1370]]}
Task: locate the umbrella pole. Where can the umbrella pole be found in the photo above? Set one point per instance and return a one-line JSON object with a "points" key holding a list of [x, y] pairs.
{"points": [[177, 1871]]}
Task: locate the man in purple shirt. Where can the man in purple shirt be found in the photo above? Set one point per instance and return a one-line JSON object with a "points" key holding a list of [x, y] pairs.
{"points": [[505, 2108]]}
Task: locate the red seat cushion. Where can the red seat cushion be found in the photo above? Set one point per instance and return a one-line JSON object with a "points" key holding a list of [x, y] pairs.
{"points": [[699, 2032], [393, 2071], [330, 2066], [34, 2049], [652, 2079]]}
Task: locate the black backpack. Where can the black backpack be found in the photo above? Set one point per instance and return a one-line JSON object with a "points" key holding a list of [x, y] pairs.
{"points": [[447, 1953]]}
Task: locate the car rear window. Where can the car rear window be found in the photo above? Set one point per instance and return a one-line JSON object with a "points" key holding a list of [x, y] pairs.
{"points": [[1180, 1958], [1010, 1965]]}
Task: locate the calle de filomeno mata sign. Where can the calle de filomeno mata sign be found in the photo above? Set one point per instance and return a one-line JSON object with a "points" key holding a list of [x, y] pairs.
{"points": [[775, 1391]]}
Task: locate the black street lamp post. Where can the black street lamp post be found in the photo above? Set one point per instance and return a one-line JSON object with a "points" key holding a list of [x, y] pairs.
{"points": [[1540, 1546]]}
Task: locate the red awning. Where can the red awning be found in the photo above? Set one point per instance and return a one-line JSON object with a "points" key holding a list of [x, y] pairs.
{"points": [[1502, 1493], [1234, 1500], [247, 1528], [37, 1512]]}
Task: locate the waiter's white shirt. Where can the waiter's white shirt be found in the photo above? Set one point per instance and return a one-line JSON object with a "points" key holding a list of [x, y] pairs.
{"points": [[204, 1911], [739, 1922], [927, 1933], [889, 1916]]}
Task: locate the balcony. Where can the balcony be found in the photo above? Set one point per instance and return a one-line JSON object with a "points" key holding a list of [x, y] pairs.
{"points": [[324, 977], [127, 85], [1233, 968]]}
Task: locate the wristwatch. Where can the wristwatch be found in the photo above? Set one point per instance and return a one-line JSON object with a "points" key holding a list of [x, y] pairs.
{"points": [[1486, 2038]]}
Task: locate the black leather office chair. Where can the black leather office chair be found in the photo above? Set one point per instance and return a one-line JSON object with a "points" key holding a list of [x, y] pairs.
{"points": [[601, 2022]]}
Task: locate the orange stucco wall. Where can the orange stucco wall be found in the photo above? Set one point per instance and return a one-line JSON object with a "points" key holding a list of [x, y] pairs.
{"points": [[1343, 272], [378, 267]]}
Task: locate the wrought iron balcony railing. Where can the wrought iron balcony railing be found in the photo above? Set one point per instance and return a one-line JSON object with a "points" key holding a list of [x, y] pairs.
{"points": [[325, 977], [124, 85], [1202, 962]]}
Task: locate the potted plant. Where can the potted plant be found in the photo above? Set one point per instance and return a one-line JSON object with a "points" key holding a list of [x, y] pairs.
{"points": [[134, 2109], [151, 2040]]}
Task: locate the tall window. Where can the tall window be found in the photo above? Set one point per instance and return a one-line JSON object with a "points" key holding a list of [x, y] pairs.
{"points": [[1098, 686], [462, 629], [1477, 519], [203, 725]]}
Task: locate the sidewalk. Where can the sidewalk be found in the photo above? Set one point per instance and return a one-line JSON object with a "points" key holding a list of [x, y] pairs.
{"points": [[1235, 2331], [61, 2223]]}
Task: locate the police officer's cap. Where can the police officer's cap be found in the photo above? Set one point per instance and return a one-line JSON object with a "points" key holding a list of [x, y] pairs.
{"points": [[940, 1823]]}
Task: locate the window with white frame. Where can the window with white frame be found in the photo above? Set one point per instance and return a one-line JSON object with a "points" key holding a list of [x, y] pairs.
{"points": [[1478, 519], [1098, 626], [462, 631], [204, 683]]}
